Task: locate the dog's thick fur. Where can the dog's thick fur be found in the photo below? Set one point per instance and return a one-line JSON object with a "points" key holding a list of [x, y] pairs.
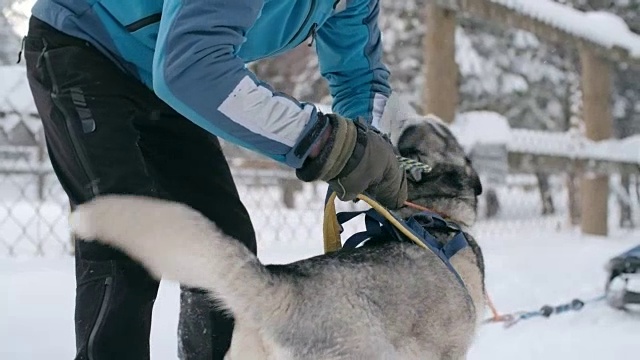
{"points": [[385, 300]]}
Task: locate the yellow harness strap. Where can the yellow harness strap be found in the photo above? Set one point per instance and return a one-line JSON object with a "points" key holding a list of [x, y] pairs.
{"points": [[331, 227]]}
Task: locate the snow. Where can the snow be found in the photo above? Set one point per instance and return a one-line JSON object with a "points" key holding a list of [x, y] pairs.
{"points": [[524, 272], [484, 127], [16, 101], [530, 262], [324, 108], [14, 90], [602, 28], [481, 127]]}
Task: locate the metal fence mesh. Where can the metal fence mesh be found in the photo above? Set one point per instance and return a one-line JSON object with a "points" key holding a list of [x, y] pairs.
{"points": [[34, 208], [31, 225]]}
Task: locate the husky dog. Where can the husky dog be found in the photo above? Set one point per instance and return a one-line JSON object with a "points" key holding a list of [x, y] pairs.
{"points": [[384, 300]]}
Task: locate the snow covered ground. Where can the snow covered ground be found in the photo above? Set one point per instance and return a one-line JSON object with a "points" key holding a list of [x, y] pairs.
{"points": [[531, 261], [526, 268]]}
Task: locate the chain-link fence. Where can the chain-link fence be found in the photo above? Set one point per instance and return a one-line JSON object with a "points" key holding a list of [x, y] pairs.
{"points": [[34, 208]]}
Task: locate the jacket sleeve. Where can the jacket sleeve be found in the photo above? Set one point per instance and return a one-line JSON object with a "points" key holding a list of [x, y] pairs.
{"points": [[196, 70], [349, 51]]}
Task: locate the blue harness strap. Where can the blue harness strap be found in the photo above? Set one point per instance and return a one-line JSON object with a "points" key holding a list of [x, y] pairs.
{"points": [[424, 221], [375, 224], [419, 224]]}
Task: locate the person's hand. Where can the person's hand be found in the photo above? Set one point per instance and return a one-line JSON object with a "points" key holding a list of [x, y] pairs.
{"points": [[355, 159]]}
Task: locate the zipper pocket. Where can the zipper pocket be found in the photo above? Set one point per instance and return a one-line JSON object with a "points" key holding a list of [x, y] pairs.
{"points": [[312, 33], [100, 318], [75, 142], [304, 25]]}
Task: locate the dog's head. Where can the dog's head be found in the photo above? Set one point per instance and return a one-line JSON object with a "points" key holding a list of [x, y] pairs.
{"points": [[452, 186]]}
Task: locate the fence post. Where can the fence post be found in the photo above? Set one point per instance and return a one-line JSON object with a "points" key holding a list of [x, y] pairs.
{"points": [[440, 89], [598, 120]]}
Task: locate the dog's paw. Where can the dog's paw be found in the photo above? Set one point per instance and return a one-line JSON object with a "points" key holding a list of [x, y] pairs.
{"points": [[82, 223]]}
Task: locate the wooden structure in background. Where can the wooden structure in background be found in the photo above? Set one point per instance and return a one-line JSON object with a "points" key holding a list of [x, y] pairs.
{"points": [[440, 88], [598, 120], [440, 70]]}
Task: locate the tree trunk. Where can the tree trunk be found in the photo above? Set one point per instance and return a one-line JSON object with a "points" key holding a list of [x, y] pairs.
{"points": [[545, 194], [573, 120], [626, 218], [637, 177], [289, 189], [573, 197], [492, 202]]}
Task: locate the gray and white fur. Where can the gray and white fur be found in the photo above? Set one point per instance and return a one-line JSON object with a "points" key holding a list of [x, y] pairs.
{"points": [[385, 300]]}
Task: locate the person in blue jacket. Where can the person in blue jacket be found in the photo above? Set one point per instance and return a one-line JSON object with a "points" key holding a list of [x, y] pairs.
{"points": [[133, 97]]}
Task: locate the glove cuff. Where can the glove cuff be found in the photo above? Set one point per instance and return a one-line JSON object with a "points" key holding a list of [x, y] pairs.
{"points": [[341, 153]]}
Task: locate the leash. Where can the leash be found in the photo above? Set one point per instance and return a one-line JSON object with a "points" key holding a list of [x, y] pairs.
{"points": [[332, 242], [511, 319], [545, 311], [496, 316], [411, 165], [423, 208]]}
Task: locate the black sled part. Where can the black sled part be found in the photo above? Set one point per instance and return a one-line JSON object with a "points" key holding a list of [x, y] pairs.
{"points": [[623, 267]]}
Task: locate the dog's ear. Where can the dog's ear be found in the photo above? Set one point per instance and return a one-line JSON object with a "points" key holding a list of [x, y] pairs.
{"points": [[411, 142], [475, 178]]}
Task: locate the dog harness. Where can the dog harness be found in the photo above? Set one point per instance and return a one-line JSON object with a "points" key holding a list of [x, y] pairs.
{"points": [[379, 221]]}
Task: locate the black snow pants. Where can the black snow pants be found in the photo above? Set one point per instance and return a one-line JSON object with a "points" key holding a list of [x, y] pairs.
{"points": [[107, 133]]}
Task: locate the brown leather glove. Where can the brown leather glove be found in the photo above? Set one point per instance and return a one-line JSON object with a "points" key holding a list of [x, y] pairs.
{"points": [[358, 160]]}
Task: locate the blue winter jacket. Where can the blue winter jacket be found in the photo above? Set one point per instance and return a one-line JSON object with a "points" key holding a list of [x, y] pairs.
{"points": [[193, 54]]}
